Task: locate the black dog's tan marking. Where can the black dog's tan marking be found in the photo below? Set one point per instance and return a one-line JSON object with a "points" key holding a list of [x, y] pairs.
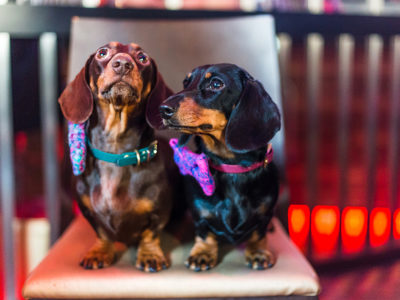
{"points": [[233, 119], [118, 93], [194, 116], [204, 253], [258, 257]]}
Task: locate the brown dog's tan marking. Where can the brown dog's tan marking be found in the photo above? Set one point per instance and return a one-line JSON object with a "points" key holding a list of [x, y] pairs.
{"points": [[258, 257], [150, 257], [114, 44], [86, 201], [115, 120], [146, 91], [102, 254], [135, 46], [108, 76], [143, 206], [204, 253]]}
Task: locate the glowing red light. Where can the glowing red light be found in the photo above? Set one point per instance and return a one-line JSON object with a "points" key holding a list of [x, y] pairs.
{"points": [[299, 225], [354, 228], [396, 224], [21, 141], [379, 226], [325, 229]]}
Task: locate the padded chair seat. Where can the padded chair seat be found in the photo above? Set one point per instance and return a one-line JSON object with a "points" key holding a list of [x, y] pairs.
{"points": [[60, 276]]}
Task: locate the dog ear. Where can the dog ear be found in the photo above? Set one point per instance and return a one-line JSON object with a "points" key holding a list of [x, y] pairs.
{"points": [[76, 100], [254, 121], [158, 94]]}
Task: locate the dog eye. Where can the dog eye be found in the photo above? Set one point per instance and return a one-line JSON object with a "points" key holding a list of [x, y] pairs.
{"points": [[102, 53], [143, 58], [216, 84]]}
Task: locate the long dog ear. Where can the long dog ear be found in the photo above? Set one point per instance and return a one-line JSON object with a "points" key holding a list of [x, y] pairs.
{"points": [[76, 100], [254, 121], [158, 94]]}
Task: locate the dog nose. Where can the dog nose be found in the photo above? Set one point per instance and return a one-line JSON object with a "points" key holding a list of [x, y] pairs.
{"points": [[122, 65], [167, 111]]}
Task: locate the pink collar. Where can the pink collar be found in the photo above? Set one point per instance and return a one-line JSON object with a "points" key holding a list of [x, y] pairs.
{"points": [[240, 169]]}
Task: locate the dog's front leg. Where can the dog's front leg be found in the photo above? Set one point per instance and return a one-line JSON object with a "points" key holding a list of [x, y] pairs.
{"points": [[204, 254], [150, 257], [102, 254], [258, 257]]}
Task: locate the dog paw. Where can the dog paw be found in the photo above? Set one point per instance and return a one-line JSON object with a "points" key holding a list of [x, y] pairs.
{"points": [[98, 259], [260, 260], [202, 261], [151, 262]]}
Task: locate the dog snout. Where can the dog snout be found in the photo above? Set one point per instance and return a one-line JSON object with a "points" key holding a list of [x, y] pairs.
{"points": [[170, 106], [122, 64], [167, 111]]}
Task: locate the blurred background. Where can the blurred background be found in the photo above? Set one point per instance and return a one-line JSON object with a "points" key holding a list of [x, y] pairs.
{"points": [[340, 77]]}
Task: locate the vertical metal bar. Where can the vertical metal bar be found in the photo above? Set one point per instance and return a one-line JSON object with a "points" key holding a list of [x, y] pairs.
{"points": [[7, 165], [394, 122], [284, 55], [374, 50], [284, 52], [315, 48], [48, 102], [345, 73], [345, 76], [285, 48]]}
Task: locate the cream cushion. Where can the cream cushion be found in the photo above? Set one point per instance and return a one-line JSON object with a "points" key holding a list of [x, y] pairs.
{"points": [[60, 276]]}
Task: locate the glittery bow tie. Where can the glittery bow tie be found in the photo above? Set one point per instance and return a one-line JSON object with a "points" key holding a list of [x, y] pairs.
{"points": [[77, 147], [195, 165]]}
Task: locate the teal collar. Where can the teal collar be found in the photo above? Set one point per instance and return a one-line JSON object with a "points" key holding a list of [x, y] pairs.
{"points": [[134, 158]]}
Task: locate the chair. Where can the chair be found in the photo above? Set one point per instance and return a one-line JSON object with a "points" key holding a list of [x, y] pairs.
{"points": [[178, 46]]}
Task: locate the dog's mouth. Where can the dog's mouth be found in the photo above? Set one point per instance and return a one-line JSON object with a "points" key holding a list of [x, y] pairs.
{"points": [[185, 128], [120, 93]]}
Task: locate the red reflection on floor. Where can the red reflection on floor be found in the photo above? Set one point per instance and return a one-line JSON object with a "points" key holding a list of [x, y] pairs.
{"points": [[354, 229], [325, 221], [396, 224], [299, 225], [379, 226]]}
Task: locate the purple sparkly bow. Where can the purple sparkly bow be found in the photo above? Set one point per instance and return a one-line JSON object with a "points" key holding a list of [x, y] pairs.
{"points": [[195, 165], [77, 147]]}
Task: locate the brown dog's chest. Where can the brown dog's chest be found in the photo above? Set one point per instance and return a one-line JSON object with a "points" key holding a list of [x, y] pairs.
{"points": [[119, 190], [120, 201]]}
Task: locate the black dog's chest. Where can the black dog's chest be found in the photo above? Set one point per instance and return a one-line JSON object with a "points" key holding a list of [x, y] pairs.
{"points": [[235, 209], [228, 219]]}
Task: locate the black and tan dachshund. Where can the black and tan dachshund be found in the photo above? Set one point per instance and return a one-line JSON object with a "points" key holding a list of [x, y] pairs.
{"points": [[118, 93], [233, 119]]}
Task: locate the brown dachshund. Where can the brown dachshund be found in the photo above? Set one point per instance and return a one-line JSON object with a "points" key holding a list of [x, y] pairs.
{"points": [[233, 119], [117, 94]]}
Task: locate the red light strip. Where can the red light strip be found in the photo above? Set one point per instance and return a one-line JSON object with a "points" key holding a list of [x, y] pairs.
{"points": [[379, 226], [325, 223], [353, 224], [354, 229], [396, 224], [299, 225]]}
